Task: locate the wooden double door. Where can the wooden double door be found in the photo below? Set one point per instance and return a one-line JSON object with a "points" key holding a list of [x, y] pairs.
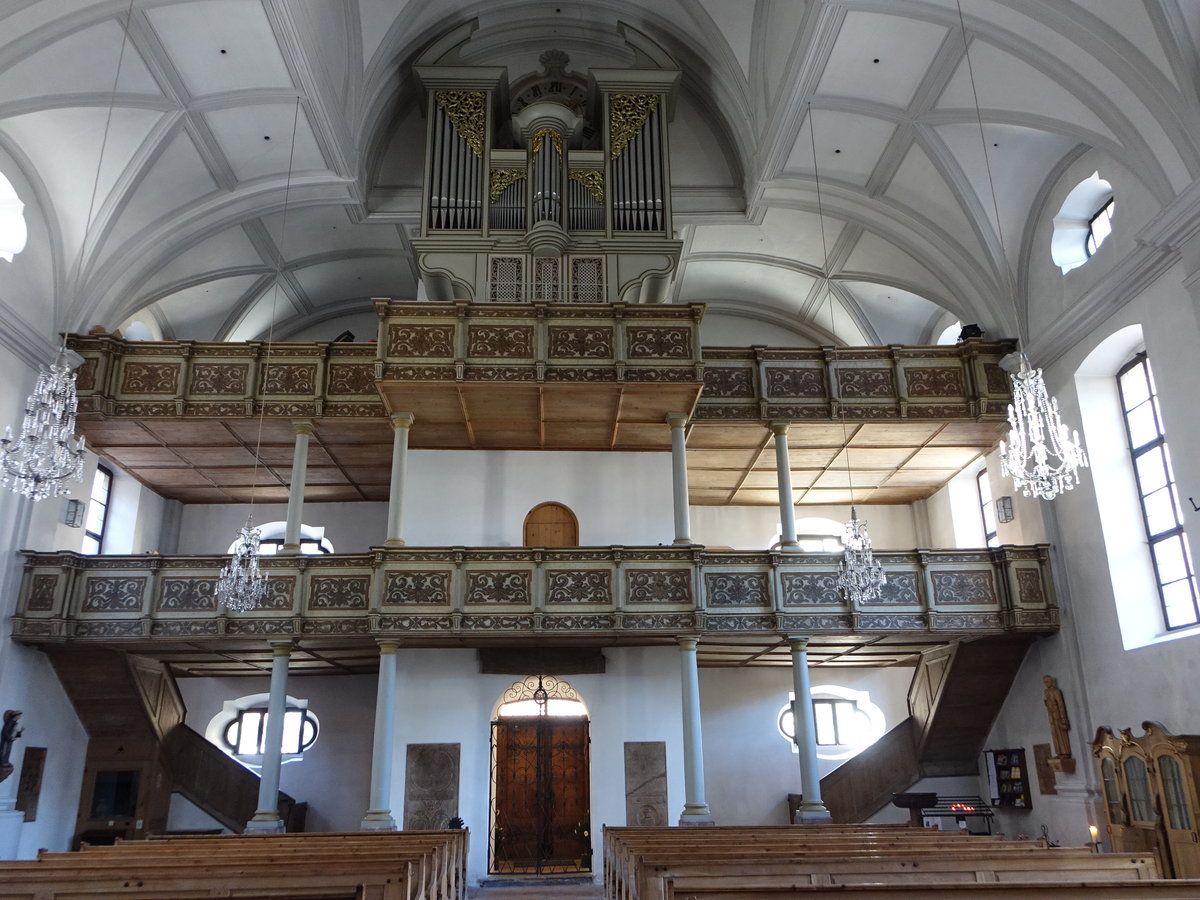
{"points": [[541, 816]]}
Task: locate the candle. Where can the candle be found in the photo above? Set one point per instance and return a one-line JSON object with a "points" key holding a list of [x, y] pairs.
{"points": [[1095, 832]]}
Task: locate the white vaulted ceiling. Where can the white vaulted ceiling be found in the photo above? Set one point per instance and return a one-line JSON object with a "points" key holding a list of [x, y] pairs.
{"points": [[186, 227]]}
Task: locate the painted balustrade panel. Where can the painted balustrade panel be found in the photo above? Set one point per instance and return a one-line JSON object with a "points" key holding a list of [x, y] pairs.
{"points": [[946, 383], [609, 590]]}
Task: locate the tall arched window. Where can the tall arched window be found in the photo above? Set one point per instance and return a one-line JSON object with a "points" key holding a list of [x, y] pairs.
{"points": [[1161, 512]]}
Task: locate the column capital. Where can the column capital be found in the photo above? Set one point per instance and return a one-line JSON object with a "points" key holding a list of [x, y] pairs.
{"points": [[302, 426], [677, 420], [403, 420], [687, 641], [779, 429], [280, 647], [387, 648], [797, 643]]}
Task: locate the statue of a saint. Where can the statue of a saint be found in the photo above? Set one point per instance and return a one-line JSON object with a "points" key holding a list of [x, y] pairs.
{"points": [[1056, 712], [8, 734]]}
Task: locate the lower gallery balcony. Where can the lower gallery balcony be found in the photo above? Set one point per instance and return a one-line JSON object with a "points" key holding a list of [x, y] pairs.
{"points": [[742, 605]]}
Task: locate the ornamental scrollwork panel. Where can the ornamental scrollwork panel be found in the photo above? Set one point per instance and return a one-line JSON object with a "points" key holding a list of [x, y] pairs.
{"points": [[658, 621], [280, 590], [728, 382], [41, 593], [627, 113], [467, 112], [219, 378], [579, 623], [260, 626], [866, 383], [739, 623], [150, 378], [997, 379], [508, 587], [114, 594], [185, 628], [187, 595], [108, 629], [659, 343], [801, 589], [280, 378], [580, 342], [795, 382], [900, 590], [512, 342], [339, 592], [347, 378], [891, 622], [1029, 588], [415, 623], [934, 381], [966, 621], [417, 588], [85, 375], [593, 586], [497, 623], [658, 585], [961, 588], [736, 589], [421, 341]]}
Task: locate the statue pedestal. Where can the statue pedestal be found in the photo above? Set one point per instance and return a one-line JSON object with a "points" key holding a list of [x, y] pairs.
{"points": [[1064, 764], [11, 821]]}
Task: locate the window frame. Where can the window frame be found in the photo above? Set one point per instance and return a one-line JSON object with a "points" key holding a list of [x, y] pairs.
{"points": [[237, 721], [987, 509], [1107, 210], [102, 471], [1141, 360]]}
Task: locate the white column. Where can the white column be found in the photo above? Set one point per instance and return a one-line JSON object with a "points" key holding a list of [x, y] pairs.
{"points": [[783, 474], [679, 485], [695, 808], [812, 810], [295, 509], [379, 812], [401, 423], [267, 816]]}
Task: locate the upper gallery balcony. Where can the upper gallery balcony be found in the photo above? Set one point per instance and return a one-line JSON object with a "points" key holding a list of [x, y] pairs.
{"points": [[183, 416]]}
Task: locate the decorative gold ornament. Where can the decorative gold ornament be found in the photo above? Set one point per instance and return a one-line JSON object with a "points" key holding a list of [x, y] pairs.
{"points": [[467, 112], [592, 179], [627, 113], [555, 139], [502, 179]]}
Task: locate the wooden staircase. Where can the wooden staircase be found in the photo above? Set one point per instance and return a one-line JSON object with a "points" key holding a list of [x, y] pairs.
{"points": [[132, 711], [954, 698]]}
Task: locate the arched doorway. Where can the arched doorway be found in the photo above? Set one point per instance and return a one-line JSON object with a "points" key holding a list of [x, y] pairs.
{"points": [[551, 525], [540, 809]]}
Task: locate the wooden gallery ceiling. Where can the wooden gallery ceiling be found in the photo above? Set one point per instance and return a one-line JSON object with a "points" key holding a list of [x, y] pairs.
{"points": [[214, 461]]}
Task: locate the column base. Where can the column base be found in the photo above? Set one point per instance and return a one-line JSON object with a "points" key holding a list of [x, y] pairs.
{"points": [[694, 814], [289, 550], [812, 814], [682, 542], [789, 545], [394, 542], [265, 823], [378, 820]]}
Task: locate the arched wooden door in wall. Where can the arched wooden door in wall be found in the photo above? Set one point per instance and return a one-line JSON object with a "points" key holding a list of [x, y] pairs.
{"points": [[551, 525], [541, 819]]}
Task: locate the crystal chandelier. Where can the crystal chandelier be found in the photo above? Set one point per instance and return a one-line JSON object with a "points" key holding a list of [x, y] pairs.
{"points": [[242, 585], [46, 455], [1041, 456], [860, 576]]}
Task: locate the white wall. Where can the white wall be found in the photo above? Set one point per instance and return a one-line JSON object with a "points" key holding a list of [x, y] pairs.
{"points": [[211, 528], [749, 768], [334, 776], [891, 527], [441, 698]]}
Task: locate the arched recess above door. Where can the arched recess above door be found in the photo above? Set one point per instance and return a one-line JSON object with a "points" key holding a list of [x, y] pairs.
{"points": [[551, 524]]}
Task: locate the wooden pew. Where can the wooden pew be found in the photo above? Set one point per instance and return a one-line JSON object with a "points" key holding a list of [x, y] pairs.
{"points": [[354, 866], [1156, 889], [661, 864]]}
